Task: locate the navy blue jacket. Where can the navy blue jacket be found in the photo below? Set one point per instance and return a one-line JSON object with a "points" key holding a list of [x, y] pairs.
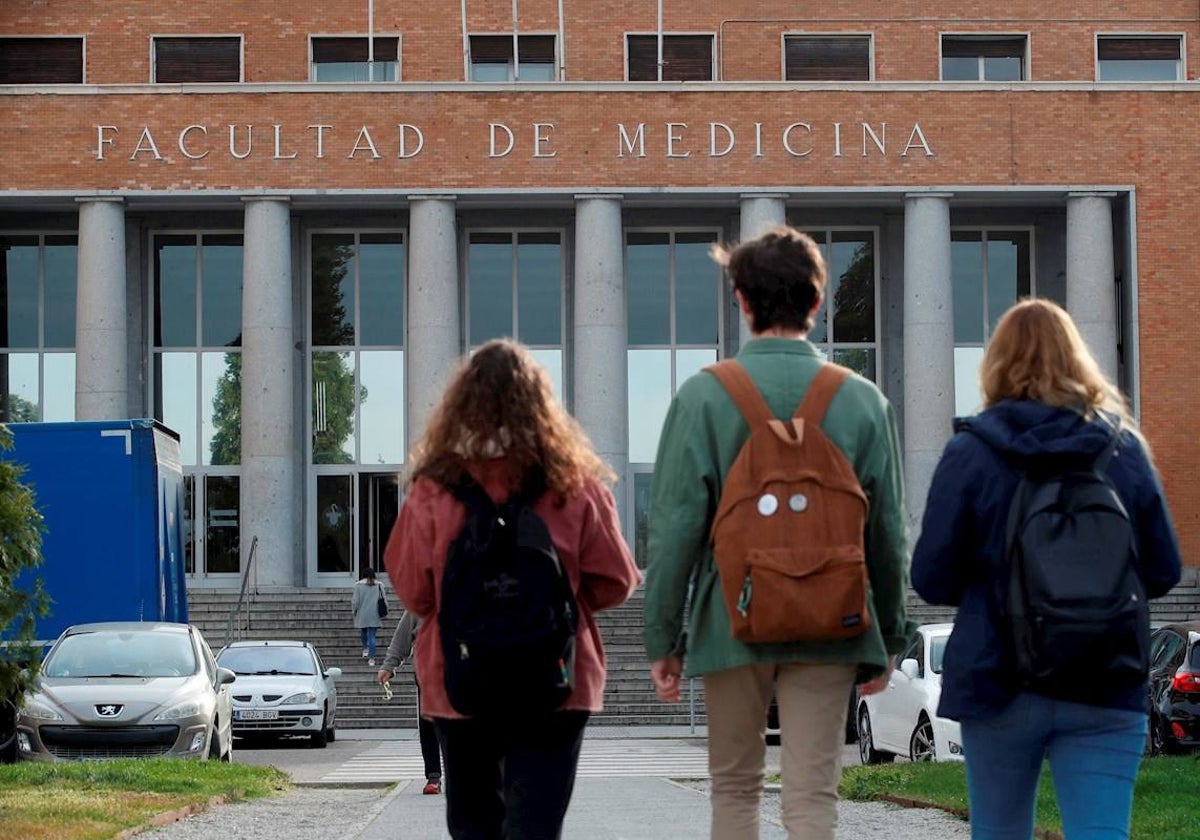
{"points": [[959, 557]]}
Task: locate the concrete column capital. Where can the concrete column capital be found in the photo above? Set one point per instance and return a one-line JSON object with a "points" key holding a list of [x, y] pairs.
{"points": [[774, 196], [282, 199], [99, 199], [603, 196], [909, 196], [446, 197], [1088, 194]]}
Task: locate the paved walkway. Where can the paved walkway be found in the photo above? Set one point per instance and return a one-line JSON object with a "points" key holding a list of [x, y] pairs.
{"points": [[635, 784]]}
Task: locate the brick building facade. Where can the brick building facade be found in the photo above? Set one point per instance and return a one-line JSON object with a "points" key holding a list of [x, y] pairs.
{"points": [[276, 229]]}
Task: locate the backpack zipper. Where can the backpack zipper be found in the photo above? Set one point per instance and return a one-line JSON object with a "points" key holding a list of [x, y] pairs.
{"points": [[743, 604]]}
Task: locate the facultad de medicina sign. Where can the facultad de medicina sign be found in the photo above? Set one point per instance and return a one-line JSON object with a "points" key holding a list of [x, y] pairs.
{"points": [[502, 140]]}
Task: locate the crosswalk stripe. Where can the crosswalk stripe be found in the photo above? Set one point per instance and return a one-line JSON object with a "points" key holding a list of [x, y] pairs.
{"points": [[396, 760]]}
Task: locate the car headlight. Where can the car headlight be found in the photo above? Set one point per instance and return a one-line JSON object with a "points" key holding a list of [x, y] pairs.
{"points": [[40, 710], [297, 699], [189, 708]]}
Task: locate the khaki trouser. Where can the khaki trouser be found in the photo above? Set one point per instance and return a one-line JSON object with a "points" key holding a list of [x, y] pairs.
{"points": [[812, 701]]}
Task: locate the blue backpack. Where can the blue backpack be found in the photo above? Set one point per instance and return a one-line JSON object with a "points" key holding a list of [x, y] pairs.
{"points": [[1078, 617], [507, 615]]}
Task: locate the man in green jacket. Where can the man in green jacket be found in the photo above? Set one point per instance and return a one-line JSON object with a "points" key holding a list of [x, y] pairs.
{"points": [[778, 280]]}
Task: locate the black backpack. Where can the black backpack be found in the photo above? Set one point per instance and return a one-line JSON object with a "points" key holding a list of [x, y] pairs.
{"points": [[508, 615], [1077, 612]]}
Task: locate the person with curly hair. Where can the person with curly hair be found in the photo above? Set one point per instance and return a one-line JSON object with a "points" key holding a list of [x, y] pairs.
{"points": [[499, 423]]}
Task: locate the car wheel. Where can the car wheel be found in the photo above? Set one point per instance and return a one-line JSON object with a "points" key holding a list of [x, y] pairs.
{"points": [[214, 742], [331, 731], [920, 745], [227, 756], [866, 750], [318, 739]]}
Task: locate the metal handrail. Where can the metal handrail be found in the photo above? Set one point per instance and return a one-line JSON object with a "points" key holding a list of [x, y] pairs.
{"points": [[237, 607]]}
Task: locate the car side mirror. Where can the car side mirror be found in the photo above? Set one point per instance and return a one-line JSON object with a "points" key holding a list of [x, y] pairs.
{"points": [[225, 676], [910, 668], [333, 673]]}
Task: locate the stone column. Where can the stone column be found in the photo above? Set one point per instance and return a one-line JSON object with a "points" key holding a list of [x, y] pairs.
{"points": [[928, 342], [101, 331], [270, 488], [601, 386], [433, 345], [760, 213], [1091, 275]]}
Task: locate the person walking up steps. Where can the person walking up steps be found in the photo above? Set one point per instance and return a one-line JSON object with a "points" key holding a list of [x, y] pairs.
{"points": [[364, 602]]}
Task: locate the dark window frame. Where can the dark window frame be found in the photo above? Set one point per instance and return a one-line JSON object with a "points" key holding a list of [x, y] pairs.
{"points": [[983, 45], [197, 59], [679, 65], [829, 71], [352, 49], [23, 63], [497, 49], [1134, 46]]}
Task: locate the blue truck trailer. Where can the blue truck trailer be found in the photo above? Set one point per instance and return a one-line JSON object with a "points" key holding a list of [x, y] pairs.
{"points": [[112, 496]]}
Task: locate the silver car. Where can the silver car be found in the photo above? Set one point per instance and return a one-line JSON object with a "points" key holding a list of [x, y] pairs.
{"points": [[128, 690], [283, 688]]}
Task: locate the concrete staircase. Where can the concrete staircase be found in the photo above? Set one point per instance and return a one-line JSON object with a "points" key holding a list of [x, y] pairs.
{"points": [[322, 616]]}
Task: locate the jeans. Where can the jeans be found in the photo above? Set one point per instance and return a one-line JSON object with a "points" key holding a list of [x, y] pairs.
{"points": [[368, 639], [1094, 755], [510, 779]]}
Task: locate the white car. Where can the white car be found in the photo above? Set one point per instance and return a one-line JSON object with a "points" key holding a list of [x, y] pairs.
{"points": [[902, 719], [283, 688]]}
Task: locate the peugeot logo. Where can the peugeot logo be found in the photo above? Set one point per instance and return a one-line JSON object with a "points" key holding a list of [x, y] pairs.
{"points": [[109, 710]]}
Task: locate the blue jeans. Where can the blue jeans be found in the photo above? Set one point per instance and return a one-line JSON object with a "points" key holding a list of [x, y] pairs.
{"points": [[1094, 755], [368, 639]]}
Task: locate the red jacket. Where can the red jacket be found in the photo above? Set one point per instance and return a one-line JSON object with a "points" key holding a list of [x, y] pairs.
{"points": [[587, 535]]}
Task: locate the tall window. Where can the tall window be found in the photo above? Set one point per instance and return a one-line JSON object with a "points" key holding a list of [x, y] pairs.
{"points": [[991, 270], [197, 385], [515, 289], [348, 60], [673, 309], [492, 58], [983, 58], [356, 370], [845, 327], [685, 58], [41, 61], [37, 327], [1139, 58], [183, 60], [824, 58]]}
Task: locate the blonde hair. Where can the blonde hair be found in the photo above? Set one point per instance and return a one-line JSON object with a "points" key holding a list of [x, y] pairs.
{"points": [[1037, 353], [501, 402]]}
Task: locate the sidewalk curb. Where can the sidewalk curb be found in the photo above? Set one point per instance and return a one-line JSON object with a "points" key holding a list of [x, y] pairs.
{"points": [[168, 817], [962, 813]]}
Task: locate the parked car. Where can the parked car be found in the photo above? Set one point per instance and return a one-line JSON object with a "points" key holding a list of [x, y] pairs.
{"points": [[283, 688], [128, 689], [1175, 688], [902, 719]]}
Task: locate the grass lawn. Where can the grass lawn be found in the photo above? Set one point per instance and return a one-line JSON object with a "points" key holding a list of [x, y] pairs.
{"points": [[1166, 801], [93, 800]]}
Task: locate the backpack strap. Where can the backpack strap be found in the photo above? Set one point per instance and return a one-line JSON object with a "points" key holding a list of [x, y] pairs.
{"points": [[743, 391], [820, 393], [1100, 465], [469, 491]]}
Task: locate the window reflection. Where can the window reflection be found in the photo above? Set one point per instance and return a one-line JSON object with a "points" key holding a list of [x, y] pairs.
{"points": [[221, 261], [697, 289], [19, 292], [221, 538], [221, 399], [382, 406], [58, 387], [642, 482], [334, 505], [176, 401], [649, 397], [647, 284], [333, 404], [539, 284], [19, 388], [332, 289], [175, 283], [381, 289], [490, 286], [61, 269], [552, 361]]}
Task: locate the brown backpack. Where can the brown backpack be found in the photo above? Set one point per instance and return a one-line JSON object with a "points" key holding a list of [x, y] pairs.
{"points": [[788, 533]]}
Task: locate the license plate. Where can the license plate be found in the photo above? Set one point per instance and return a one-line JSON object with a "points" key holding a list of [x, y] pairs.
{"points": [[255, 714]]}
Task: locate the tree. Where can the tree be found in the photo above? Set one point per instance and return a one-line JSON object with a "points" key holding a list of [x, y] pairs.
{"points": [[17, 409], [21, 601], [226, 446]]}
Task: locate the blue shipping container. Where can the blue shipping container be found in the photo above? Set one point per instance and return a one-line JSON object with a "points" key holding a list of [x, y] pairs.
{"points": [[112, 496]]}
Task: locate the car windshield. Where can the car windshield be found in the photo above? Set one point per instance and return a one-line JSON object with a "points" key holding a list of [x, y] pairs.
{"points": [[130, 653], [937, 650], [1193, 659], [266, 659]]}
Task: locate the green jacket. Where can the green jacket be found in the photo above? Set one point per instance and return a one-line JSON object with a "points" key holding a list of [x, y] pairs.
{"points": [[701, 437]]}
